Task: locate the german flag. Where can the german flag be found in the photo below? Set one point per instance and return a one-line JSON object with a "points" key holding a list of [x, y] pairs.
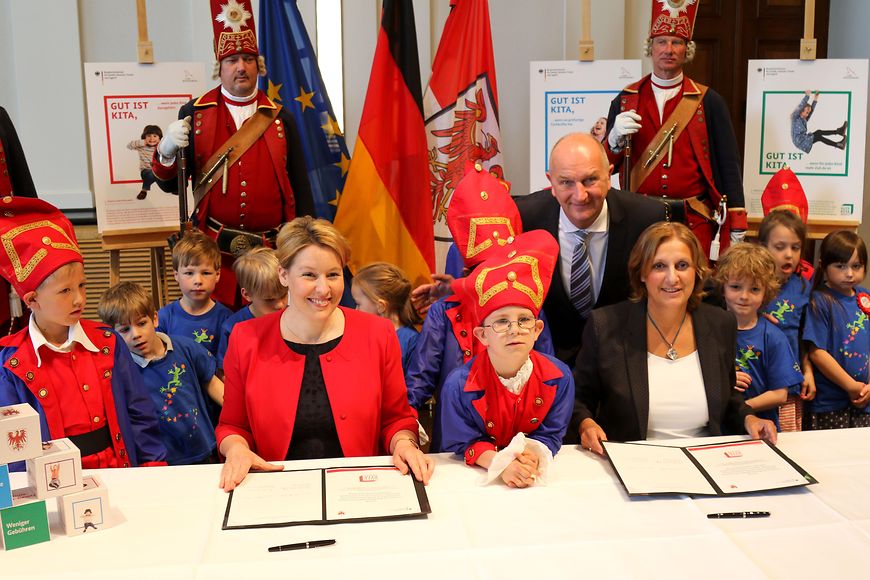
{"points": [[385, 210]]}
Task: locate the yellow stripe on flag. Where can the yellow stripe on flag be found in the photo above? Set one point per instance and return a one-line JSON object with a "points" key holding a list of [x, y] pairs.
{"points": [[370, 220]]}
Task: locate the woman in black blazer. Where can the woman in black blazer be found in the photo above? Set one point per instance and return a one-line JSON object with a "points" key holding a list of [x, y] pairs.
{"points": [[662, 364]]}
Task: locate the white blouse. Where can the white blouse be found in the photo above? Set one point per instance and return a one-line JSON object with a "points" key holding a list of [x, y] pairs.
{"points": [[677, 399]]}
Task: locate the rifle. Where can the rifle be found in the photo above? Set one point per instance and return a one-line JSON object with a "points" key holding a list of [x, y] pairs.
{"points": [[183, 219]]}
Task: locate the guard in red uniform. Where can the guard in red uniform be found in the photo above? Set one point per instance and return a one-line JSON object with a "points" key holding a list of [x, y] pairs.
{"points": [[508, 408], [243, 151], [677, 137], [77, 374]]}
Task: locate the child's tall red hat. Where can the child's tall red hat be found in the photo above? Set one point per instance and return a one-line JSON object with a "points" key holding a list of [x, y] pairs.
{"points": [[37, 240]]}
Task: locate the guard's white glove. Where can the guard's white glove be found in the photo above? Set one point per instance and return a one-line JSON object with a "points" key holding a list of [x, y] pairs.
{"points": [[737, 236], [177, 136], [626, 123]]}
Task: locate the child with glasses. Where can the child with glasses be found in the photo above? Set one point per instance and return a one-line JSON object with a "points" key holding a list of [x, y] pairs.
{"points": [[508, 408]]}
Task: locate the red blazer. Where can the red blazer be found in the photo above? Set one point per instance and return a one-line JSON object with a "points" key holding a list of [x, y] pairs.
{"points": [[363, 377]]}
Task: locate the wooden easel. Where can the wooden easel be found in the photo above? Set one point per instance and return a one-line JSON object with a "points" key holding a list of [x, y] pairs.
{"points": [[152, 238], [587, 45], [817, 229]]}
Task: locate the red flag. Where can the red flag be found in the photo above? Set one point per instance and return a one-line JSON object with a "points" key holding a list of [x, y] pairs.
{"points": [[461, 106], [385, 209]]}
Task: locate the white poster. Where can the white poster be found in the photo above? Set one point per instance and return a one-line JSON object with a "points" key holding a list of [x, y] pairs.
{"points": [[811, 116], [126, 101], [570, 96]]}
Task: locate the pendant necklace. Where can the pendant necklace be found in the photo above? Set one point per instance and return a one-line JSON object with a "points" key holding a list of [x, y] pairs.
{"points": [[672, 352]]}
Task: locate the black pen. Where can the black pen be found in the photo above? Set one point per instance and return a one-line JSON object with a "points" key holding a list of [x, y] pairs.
{"points": [[732, 515], [302, 545]]}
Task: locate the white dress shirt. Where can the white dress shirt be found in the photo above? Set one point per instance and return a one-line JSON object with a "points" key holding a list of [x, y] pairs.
{"points": [[596, 247], [76, 335], [664, 90]]}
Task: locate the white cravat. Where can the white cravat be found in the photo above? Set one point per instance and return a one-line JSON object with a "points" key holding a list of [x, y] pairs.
{"points": [[665, 90], [240, 113]]}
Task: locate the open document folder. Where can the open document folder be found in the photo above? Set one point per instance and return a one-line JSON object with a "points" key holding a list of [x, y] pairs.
{"points": [[715, 469], [324, 496]]}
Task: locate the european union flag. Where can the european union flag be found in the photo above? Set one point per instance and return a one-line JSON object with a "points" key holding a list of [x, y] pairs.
{"points": [[294, 81]]}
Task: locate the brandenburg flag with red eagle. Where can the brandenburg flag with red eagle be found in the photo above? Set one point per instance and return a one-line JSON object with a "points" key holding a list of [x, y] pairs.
{"points": [[385, 210], [461, 108]]}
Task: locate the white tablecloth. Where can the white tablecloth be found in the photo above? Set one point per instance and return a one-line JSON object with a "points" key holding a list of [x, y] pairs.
{"points": [[582, 525]]}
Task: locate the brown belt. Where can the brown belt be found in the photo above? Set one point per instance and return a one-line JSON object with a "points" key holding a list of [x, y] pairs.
{"points": [[237, 242], [676, 209]]}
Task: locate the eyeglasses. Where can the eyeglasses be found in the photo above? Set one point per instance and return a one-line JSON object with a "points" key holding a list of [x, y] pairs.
{"points": [[502, 325]]}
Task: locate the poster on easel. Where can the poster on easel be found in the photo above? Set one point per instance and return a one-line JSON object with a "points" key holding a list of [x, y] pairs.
{"points": [[812, 117], [129, 107], [570, 96]]}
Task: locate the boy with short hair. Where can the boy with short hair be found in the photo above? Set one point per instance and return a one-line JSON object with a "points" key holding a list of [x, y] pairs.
{"points": [[176, 371], [77, 374], [196, 266], [257, 274], [508, 408], [767, 369]]}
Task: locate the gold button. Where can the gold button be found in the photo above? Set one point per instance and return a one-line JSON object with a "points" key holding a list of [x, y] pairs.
{"points": [[7, 199], [471, 452], [277, 121], [533, 420], [242, 205], [13, 362], [117, 436], [510, 239], [105, 350], [244, 183], [243, 194], [484, 196], [495, 235], [539, 401], [96, 419], [43, 393], [29, 375], [199, 115], [197, 132], [107, 373], [478, 167], [463, 333], [466, 352], [46, 240], [512, 253], [280, 135], [490, 424], [86, 387], [122, 452], [785, 185], [74, 357], [126, 465], [107, 333], [512, 276]]}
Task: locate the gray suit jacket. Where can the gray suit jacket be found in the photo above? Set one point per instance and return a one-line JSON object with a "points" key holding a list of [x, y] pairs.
{"points": [[612, 385]]}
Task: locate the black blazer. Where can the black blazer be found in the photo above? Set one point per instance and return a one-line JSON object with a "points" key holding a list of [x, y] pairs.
{"points": [[629, 215], [612, 385]]}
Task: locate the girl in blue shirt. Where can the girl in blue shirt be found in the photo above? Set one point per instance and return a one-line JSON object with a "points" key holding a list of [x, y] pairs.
{"points": [[783, 233], [837, 333], [383, 290]]}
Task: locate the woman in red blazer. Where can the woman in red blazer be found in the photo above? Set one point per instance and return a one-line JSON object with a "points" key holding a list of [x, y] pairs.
{"points": [[314, 380]]}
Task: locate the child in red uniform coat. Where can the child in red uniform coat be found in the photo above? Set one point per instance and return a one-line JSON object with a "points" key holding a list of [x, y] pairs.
{"points": [[507, 409], [77, 374]]}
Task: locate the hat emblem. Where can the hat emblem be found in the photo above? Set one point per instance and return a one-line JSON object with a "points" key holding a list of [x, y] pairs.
{"points": [[23, 271], [536, 293], [233, 16], [674, 7], [475, 247]]}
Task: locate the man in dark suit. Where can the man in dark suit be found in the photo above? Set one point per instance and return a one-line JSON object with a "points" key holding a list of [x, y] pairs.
{"points": [[580, 198]]}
